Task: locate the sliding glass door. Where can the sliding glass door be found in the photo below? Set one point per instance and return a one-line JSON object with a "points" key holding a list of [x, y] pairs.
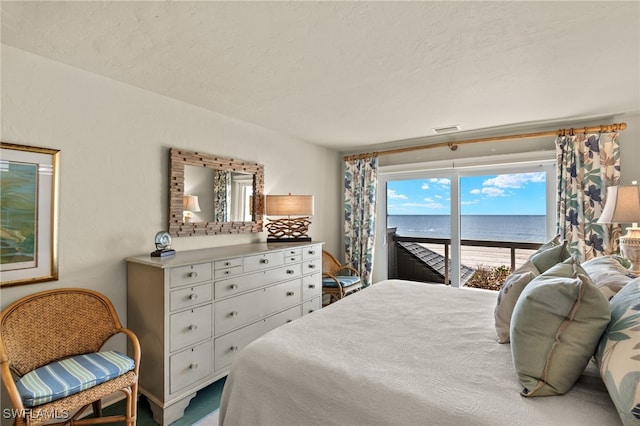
{"points": [[474, 217]]}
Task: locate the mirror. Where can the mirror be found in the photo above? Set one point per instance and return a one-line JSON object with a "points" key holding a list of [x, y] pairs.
{"points": [[212, 195]]}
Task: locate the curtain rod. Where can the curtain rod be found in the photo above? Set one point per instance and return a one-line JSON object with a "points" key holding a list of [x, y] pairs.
{"points": [[453, 145]]}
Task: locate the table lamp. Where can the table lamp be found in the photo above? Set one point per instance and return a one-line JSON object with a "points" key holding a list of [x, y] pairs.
{"points": [[189, 205], [623, 206], [288, 228]]}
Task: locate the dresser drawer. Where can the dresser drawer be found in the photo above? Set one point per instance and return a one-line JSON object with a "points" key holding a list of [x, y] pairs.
{"points": [[226, 347], [313, 265], [292, 258], [282, 295], [282, 318], [190, 326], [190, 274], [229, 272], [190, 365], [284, 273], [312, 305], [263, 261], [295, 251], [227, 263], [312, 252], [311, 285], [238, 311], [190, 296], [225, 288]]}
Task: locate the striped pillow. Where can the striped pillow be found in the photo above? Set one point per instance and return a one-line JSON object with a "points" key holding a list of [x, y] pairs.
{"points": [[71, 375]]}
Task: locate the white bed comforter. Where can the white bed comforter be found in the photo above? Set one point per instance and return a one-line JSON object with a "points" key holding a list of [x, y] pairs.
{"points": [[397, 353]]}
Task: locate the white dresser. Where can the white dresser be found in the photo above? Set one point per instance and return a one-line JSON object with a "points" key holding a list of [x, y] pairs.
{"points": [[195, 310]]}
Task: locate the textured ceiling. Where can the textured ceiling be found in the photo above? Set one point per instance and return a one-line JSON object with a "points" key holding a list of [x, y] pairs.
{"points": [[353, 74]]}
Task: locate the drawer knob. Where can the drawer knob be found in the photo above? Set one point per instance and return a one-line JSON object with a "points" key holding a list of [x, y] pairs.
{"points": [[264, 261], [233, 286], [289, 321], [193, 274], [310, 310], [233, 348], [312, 266], [193, 327], [312, 286], [227, 263], [290, 293], [193, 366], [293, 259], [290, 271], [234, 314], [312, 252], [227, 272], [193, 296]]}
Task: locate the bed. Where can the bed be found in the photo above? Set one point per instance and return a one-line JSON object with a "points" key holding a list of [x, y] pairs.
{"points": [[398, 353]]}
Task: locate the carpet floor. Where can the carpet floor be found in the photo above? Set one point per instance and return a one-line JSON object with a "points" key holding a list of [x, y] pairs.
{"points": [[206, 402]]}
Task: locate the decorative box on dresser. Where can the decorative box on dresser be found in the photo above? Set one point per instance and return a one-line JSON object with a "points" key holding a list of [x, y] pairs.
{"points": [[194, 311]]}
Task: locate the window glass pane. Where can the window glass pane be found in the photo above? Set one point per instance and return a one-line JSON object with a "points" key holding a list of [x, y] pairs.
{"points": [[420, 207], [500, 208]]}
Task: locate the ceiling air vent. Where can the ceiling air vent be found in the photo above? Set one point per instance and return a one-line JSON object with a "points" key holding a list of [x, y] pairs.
{"points": [[447, 129]]}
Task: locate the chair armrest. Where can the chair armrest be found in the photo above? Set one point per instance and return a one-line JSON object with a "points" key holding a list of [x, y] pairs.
{"points": [[349, 268], [135, 345], [10, 386]]}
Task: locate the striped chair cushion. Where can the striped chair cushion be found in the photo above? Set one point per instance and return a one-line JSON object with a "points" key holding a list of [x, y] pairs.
{"points": [[345, 281], [71, 375]]}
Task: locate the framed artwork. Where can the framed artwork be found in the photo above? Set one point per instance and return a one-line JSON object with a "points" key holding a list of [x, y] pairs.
{"points": [[28, 214]]}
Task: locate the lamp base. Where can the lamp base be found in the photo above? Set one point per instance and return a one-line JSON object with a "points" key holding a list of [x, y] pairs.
{"points": [[289, 240], [630, 248]]}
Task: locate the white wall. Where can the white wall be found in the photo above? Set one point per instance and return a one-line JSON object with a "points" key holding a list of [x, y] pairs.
{"points": [[114, 141]]}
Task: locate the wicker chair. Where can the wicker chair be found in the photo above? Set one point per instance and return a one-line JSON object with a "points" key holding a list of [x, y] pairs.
{"points": [[338, 280], [50, 326]]}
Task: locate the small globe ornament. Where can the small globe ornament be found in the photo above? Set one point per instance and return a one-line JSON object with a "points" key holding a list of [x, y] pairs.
{"points": [[163, 245], [163, 240]]}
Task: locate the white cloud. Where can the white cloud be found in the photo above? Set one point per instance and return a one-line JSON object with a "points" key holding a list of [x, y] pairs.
{"points": [[441, 181], [516, 180], [475, 191], [438, 196], [467, 203], [425, 186], [491, 191], [393, 195]]}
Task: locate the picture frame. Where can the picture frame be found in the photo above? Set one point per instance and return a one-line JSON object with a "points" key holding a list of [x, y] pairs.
{"points": [[29, 183]]}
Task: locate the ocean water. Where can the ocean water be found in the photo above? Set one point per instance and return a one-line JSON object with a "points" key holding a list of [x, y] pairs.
{"points": [[518, 228]]}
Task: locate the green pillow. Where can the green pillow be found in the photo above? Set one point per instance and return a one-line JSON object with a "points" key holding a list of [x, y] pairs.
{"points": [[516, 282], [618, 353], [544, 260], [555, 328]]}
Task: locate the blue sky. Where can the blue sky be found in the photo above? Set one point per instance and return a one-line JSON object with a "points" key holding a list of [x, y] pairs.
{"points": [[508, 194]]}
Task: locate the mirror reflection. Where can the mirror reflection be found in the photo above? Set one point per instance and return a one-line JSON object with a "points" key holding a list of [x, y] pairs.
{"points": [[210, 194], [222, 195]]}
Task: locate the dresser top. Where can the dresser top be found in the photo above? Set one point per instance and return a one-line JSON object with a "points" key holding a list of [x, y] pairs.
{"points": [[188, 257]]}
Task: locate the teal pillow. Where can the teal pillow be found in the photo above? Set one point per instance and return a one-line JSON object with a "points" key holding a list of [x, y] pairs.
{"points": [[618, 353], [555, 328]]}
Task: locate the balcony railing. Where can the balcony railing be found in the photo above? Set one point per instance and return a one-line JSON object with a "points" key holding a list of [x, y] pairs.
{"points": [[512, 246]]}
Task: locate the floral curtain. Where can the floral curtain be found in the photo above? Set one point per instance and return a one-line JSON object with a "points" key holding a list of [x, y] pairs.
{"points": [[222, 192], [587, 165], [360, 184]]}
